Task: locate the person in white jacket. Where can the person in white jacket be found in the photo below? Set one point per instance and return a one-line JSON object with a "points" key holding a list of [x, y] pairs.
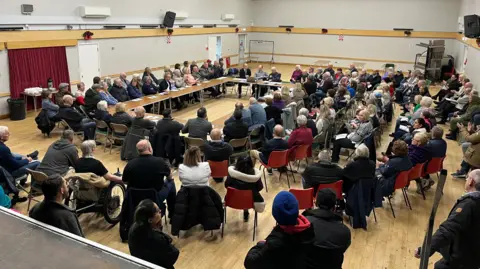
{"points": [[194, 172]]}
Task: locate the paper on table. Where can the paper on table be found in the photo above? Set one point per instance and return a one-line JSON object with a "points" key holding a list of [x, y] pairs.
{"points": [[221, 77], [206, 81], [153, 97], [136, 100], [176, 90], [340, 136]]}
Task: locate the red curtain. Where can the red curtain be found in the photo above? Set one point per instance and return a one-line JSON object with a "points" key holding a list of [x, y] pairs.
{"points": [[33, 67]]}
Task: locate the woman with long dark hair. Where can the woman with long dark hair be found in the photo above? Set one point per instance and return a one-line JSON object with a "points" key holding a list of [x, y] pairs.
{"points": [[146, 239]]}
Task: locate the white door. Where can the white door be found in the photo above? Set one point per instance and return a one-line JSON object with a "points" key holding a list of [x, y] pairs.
{"points": [[242, 39], [89, 62], [212, 48]]}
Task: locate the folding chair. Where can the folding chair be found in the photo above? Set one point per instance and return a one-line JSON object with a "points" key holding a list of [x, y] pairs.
{"points": [[102, 125], [38, 177], [300, 153], [277, 159], [242, 200], [193, 142], [241, 145], [218, 169], [78, 134], [304, 197], [117, 131], [416, 173], [401, 182], [434, 166]]}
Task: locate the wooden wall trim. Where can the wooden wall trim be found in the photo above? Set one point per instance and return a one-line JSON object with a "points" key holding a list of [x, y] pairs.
{"points": [[472, 42], [140, 71], [2, 45], [4, 94], [41, 44], [351, 32], [101, 34], [334, 57]]}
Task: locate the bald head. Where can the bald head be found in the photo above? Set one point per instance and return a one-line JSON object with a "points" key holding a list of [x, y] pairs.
{"points": [[123, 75], [468, 85], [216, 134], [252, 100], [144, 147], [278, 131], [139, 112], [239, 105]]}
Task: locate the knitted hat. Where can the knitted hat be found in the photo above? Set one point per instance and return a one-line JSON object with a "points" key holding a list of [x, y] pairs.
{"points": [[63, 85], [326, 199], [285, 208]]}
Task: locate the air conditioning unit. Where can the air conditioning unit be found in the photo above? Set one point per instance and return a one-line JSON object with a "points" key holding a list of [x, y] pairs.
{"points": [[95, 12], [228, 17], [181, 16]]}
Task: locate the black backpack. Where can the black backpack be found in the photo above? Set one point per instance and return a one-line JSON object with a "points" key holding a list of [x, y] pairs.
{"points": [[44, 123]]}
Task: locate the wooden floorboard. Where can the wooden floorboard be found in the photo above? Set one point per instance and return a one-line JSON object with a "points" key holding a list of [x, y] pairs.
{"points": [[390, 243]]}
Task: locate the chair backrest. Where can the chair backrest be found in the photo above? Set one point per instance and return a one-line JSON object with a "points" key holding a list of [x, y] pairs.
{"points": [[416, 171], [239, 199], [119, 128], [219, 169], [101, 124], [336, 186], [194, 142], [401, 181], [301, 152], [239, 142], [37, 175], [304, 197], [278, 159], [434, 165]]}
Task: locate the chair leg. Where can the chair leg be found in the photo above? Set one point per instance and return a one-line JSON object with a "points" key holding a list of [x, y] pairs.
{"points": [[265, 178], [374, 215], [254, 226], [290, 164], [29, 202], [225, 220], [298, 166], [423, 191], [288, 180], [407, 199], [390, 202], [404, 198]]}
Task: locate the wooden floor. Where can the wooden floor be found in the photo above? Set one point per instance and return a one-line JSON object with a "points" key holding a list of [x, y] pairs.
{"points": [[390, 243]]}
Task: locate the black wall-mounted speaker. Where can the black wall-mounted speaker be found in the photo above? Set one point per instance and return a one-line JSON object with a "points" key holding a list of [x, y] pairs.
{"points": [[169, 19], [471, 26]]}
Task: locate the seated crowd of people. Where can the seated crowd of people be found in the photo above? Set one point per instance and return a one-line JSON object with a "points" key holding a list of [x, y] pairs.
{"points": [[334, 111]]}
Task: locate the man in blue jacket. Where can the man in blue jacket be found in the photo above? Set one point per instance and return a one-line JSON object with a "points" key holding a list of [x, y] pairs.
{"points": [[15, 164], [437, 147], [259, 116]]}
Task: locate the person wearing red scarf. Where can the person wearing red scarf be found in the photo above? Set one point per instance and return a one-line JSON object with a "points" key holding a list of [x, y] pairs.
{"points": [[290, 244]]}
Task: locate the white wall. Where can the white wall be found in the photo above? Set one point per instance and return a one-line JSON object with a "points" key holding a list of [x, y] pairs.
{"points": [[4, 81], [421, 15], [384, 48]]}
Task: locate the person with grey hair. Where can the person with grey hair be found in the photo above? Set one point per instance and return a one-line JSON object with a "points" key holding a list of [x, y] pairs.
{"points": [[75, 119], [123, 78], [62, 91], [321, 172], [60, 156], [258, 114], [102, 114], [310, 123], [119, 92], [362, 168], [301, 135], [88, 163], [437, 148], [459, 233], [102, 89], [359, 131], [140, 121]]}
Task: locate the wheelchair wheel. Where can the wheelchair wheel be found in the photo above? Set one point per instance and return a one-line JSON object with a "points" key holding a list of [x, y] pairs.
{"points": [[112, 206]]}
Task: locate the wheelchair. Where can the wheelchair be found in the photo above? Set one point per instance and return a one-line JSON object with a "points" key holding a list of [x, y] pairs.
{"points": [[86, 198]]}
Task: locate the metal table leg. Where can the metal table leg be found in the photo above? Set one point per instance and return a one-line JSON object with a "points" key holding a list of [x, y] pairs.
{"points": [[26, 102], [201, 97], [35, 103]]}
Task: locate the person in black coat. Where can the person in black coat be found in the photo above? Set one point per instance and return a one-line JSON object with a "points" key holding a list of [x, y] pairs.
{"points": [[437, 147], [166, 85], [235, 129], [291, 242], [322, 172], [277, 143], [168, 126], [146, 239], [332, 237], [399, 162], [373, 80], [102, 114], [52, 211], [243, 176], [139, 120], [457, 237], [75, 119], [148, 73], [361, 168], [245, 73], [273, 112], [118, 91], [120, 116], [216, 150]]}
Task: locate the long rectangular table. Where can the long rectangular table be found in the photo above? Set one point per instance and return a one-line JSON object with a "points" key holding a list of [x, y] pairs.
{"points": [[27, 243], [160, 97]]}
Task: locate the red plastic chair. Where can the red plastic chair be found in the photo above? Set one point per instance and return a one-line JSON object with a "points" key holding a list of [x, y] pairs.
{"points": [[239, 199], [434, 166], [304, 197], [219, 169], [336, 186], [300, 153], [416, 173], [401, 182], [277, 159]]}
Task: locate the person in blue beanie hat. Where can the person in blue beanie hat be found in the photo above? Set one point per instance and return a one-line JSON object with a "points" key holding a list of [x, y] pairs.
{"points": [[290, 244]]}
